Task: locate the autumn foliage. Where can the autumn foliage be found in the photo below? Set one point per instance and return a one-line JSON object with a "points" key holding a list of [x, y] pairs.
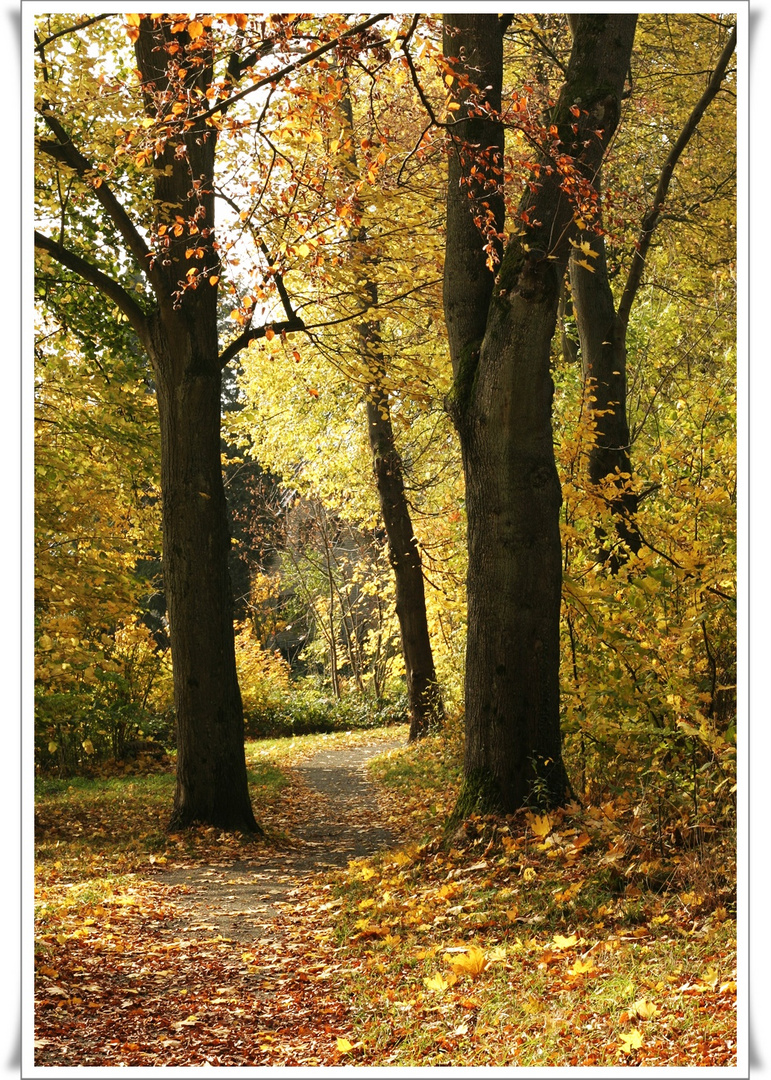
{"points": [[614, 916]]}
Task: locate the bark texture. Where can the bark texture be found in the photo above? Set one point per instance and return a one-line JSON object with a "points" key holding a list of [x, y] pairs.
{"points": [[603, 360], [502, 406], [183, 345], [602, 331]]}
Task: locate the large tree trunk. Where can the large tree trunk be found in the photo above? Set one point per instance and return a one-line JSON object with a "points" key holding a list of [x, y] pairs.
{"points": [[502, 406], [212, 783], [211, 767]]}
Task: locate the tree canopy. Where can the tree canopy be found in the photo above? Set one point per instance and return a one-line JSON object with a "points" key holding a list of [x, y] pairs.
{"points": [[286, 197]]}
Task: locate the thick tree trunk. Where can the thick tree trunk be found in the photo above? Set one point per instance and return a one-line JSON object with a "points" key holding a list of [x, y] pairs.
{"points": [[212, 784], [501, 402]]}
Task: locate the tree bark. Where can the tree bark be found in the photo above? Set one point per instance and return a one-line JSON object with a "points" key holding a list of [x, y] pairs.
{"points": [[500, 331], [212, 782], [602, 333], [603, 360]]}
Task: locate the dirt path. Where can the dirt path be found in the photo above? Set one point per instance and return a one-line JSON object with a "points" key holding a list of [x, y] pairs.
{"points": [[240, 900]]}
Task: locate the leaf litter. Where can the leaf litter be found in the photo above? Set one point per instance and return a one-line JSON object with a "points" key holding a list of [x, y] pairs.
{"points": [[404, 957]]}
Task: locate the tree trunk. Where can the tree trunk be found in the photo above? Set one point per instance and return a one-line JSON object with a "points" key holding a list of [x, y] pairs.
{"points": [[212, 783], [423, 694], [501, 402], [425, 700], [603, 359], [602, 331]]}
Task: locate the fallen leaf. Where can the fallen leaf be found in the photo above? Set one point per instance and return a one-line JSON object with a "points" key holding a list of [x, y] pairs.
{"points": [[343, 1045], [631, 1041], [471, 960], [581, 967], [561, 942], [644, 1009]]}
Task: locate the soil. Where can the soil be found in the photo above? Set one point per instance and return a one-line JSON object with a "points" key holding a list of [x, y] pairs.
{"points": [[241, 900]]}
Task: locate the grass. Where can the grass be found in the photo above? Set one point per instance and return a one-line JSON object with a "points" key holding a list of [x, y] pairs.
{"points": [[559, 940], [589, 950]]}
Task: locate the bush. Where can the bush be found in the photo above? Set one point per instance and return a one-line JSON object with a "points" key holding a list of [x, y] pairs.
{"points": [[304, 711]]}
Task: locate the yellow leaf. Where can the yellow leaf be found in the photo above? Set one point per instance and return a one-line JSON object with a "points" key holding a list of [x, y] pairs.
{"points": [[439, 983], [303, 250], [52, 747], [471, 960], [88, 746], [511, 914], [343, 1045], [133, 20], [214, 279], [581, 967], [631, 1041], [644, 1009], [540, 824], [528, 873], [561, 942]]}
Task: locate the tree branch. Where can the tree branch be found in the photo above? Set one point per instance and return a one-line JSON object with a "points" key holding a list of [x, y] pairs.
{"points": [[652, 218], [40, 45], [251, 334], [64, 150], [282, 72], [291, 326], [106, 285]]}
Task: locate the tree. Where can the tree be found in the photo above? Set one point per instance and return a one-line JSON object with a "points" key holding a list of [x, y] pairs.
{"points": [[176, 261], [500, 327], [423, 694], [603, 326]]}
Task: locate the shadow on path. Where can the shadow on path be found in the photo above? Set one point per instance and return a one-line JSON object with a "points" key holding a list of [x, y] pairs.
{"points": [[239, 900]]}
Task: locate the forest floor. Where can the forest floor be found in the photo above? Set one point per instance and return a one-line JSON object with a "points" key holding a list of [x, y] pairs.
{"points": [[355, 934]]}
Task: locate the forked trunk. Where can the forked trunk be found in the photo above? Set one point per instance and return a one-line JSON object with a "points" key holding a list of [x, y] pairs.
{"points": [[500, 331]]}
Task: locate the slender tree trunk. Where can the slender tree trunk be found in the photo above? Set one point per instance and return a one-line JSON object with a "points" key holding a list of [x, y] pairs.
{"points": [[603, 359], [423, 694], [425, 700], [602, 332], [500, 332]]}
